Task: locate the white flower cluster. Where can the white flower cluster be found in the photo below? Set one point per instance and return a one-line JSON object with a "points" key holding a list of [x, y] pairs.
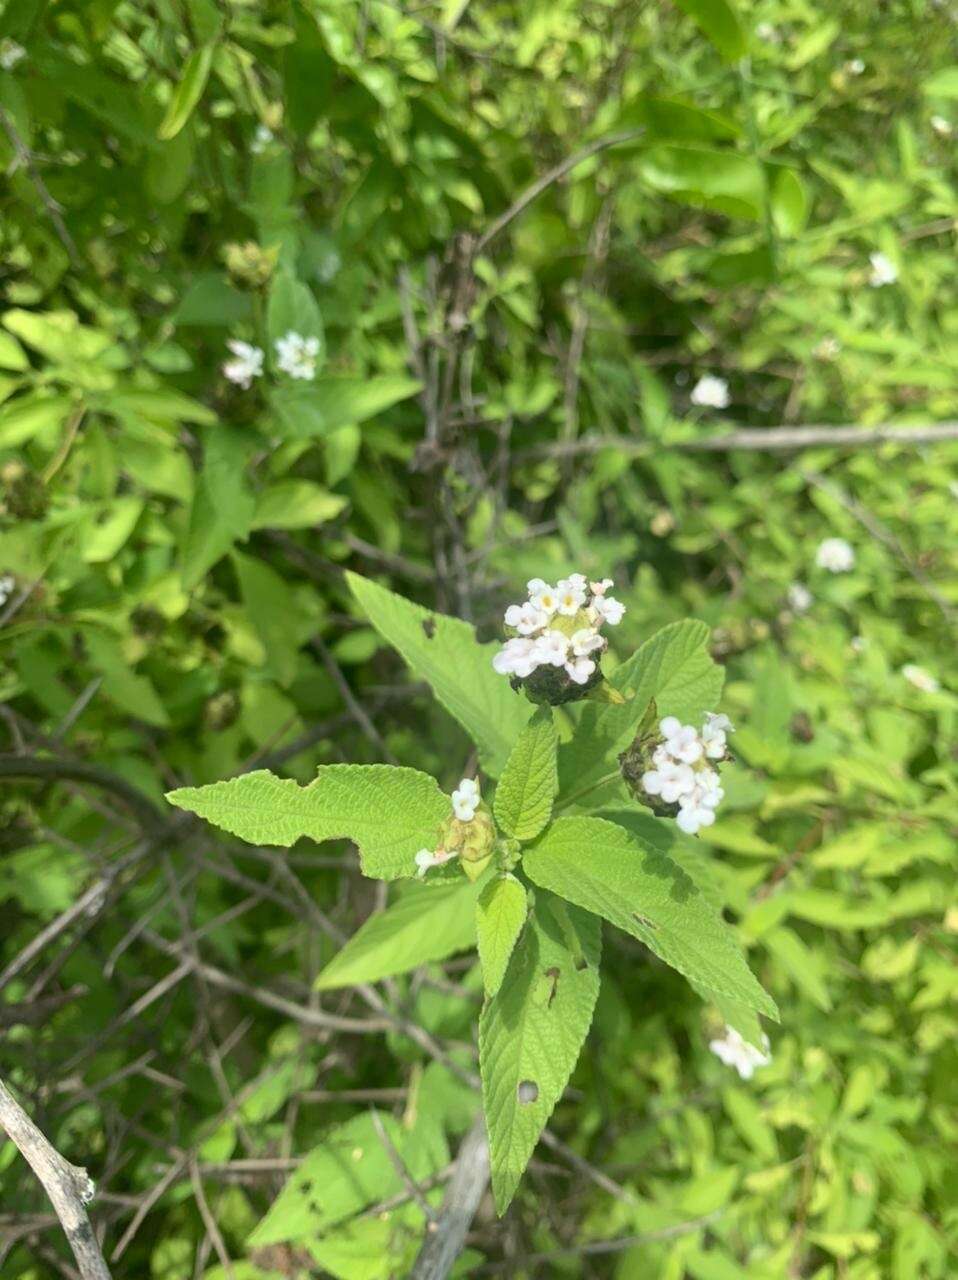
{"points": [[800, 599], [682, 775], [465, 802], [711, 393], [10, 54], [835, 555], [540, 644], [735, 1051], [7, 583], [883, 270], [246, 365], [296, 355]]}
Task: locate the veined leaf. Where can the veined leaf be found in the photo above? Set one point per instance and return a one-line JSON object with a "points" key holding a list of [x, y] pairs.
{"points": [[523, 803], [444, 652], [296, 504], [429, 922], [188, 92], [326, 405], [390, 813], [606, 869], [28, 415], [500, 914], [532, 1031], [720, 23]]}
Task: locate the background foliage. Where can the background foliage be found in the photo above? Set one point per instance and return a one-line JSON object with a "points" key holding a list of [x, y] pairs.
{"points": [[178, 612]]}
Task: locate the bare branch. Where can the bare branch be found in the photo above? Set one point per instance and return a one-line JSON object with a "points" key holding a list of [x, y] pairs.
{"points": [[69, 1188], [445, 1236]]}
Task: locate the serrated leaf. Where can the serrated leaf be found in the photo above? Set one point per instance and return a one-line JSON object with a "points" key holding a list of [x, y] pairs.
{"points": [[390, 813], [429, 922], [296, 504], [444, 652], [188, 92], [527, 788], [606, 869], [500, 914], [675, 668], [531, 1033]]}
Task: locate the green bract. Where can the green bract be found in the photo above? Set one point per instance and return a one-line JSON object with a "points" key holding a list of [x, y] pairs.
{"points": [[541, 975]]}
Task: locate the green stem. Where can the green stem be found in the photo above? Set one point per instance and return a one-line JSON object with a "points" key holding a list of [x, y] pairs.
{"points": [[593, 786]]}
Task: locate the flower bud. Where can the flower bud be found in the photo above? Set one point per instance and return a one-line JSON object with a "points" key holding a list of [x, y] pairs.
{"points": [[474, 841]]}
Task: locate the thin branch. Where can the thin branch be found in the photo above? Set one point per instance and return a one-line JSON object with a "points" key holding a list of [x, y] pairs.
{"points": [[69, 1188], [445, 1237], [59, 770], [400, 1166], [24, 158], [356, 709], [553, 175], [760, 439]]}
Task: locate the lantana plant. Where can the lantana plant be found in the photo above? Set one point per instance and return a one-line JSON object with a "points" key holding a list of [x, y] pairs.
{"points": [[589, 773]]}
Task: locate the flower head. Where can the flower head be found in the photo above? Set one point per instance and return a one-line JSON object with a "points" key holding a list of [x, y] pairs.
{"points": [[681, 782], [854, 66], [426, 858], [835, 555], [920, 678], [296, 355], [711, 392], [10, 54], [246, 365], [558, 633], [883, 270], [465, 800], [799, 597], [261, 139], [735, 1051]]}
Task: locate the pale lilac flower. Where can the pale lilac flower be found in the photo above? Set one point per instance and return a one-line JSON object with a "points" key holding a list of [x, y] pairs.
{"points": [[516, 657], [465, 799], [835, 555], [799, 597], [735, 1051], [552, 648], [526, 618], [711, 393], [608, 609], [246, 365], [296, 355], [10, 54], [883, 270]]}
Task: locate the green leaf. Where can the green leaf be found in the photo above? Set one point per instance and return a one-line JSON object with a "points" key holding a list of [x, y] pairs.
{"points": [[727, 181], [675, 668], [12, 355], [352, 1168], [188, 92], [942, 84], [266, 598], [222, 509], [390, 813], [500, 915], [28, 415], [292, 308], [600, 866], [531, 1033], [720, 23], [429, 922], [523, 803], [444, 652], [789, 201], [296, 504], [326, 405]]}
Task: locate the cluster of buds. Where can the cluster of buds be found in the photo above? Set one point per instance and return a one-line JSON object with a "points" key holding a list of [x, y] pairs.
{"points": [[681, 782], [555, 639], [249, 264], [469, 835]]}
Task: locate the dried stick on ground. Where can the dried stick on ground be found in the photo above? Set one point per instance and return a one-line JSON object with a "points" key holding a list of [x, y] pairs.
{"points": [[445, 1236], [69, 1188]]}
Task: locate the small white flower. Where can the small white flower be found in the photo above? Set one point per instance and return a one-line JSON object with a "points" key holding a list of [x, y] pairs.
{"points": [[941, 126], [247, 365], [736, 1052], [608, 609], [858, 644], [516, 657], [883, 270], [683, 743], [695, 813], [765, 31], [543, 597], [570, 595], [713, 736], [425, 859], [920, 678], [799, 597], [600, 588], [711, 392], [10, 54], [552, 648], [585, 642], [465, 799], [261, 139], [526, 618], [835, 555], [296, 355], [854, 66], [670, 780], [577, 582], [7, 584], [579, 669]]}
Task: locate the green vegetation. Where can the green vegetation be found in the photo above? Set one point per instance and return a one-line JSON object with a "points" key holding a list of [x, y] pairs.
{"points": [[510, 281]]}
